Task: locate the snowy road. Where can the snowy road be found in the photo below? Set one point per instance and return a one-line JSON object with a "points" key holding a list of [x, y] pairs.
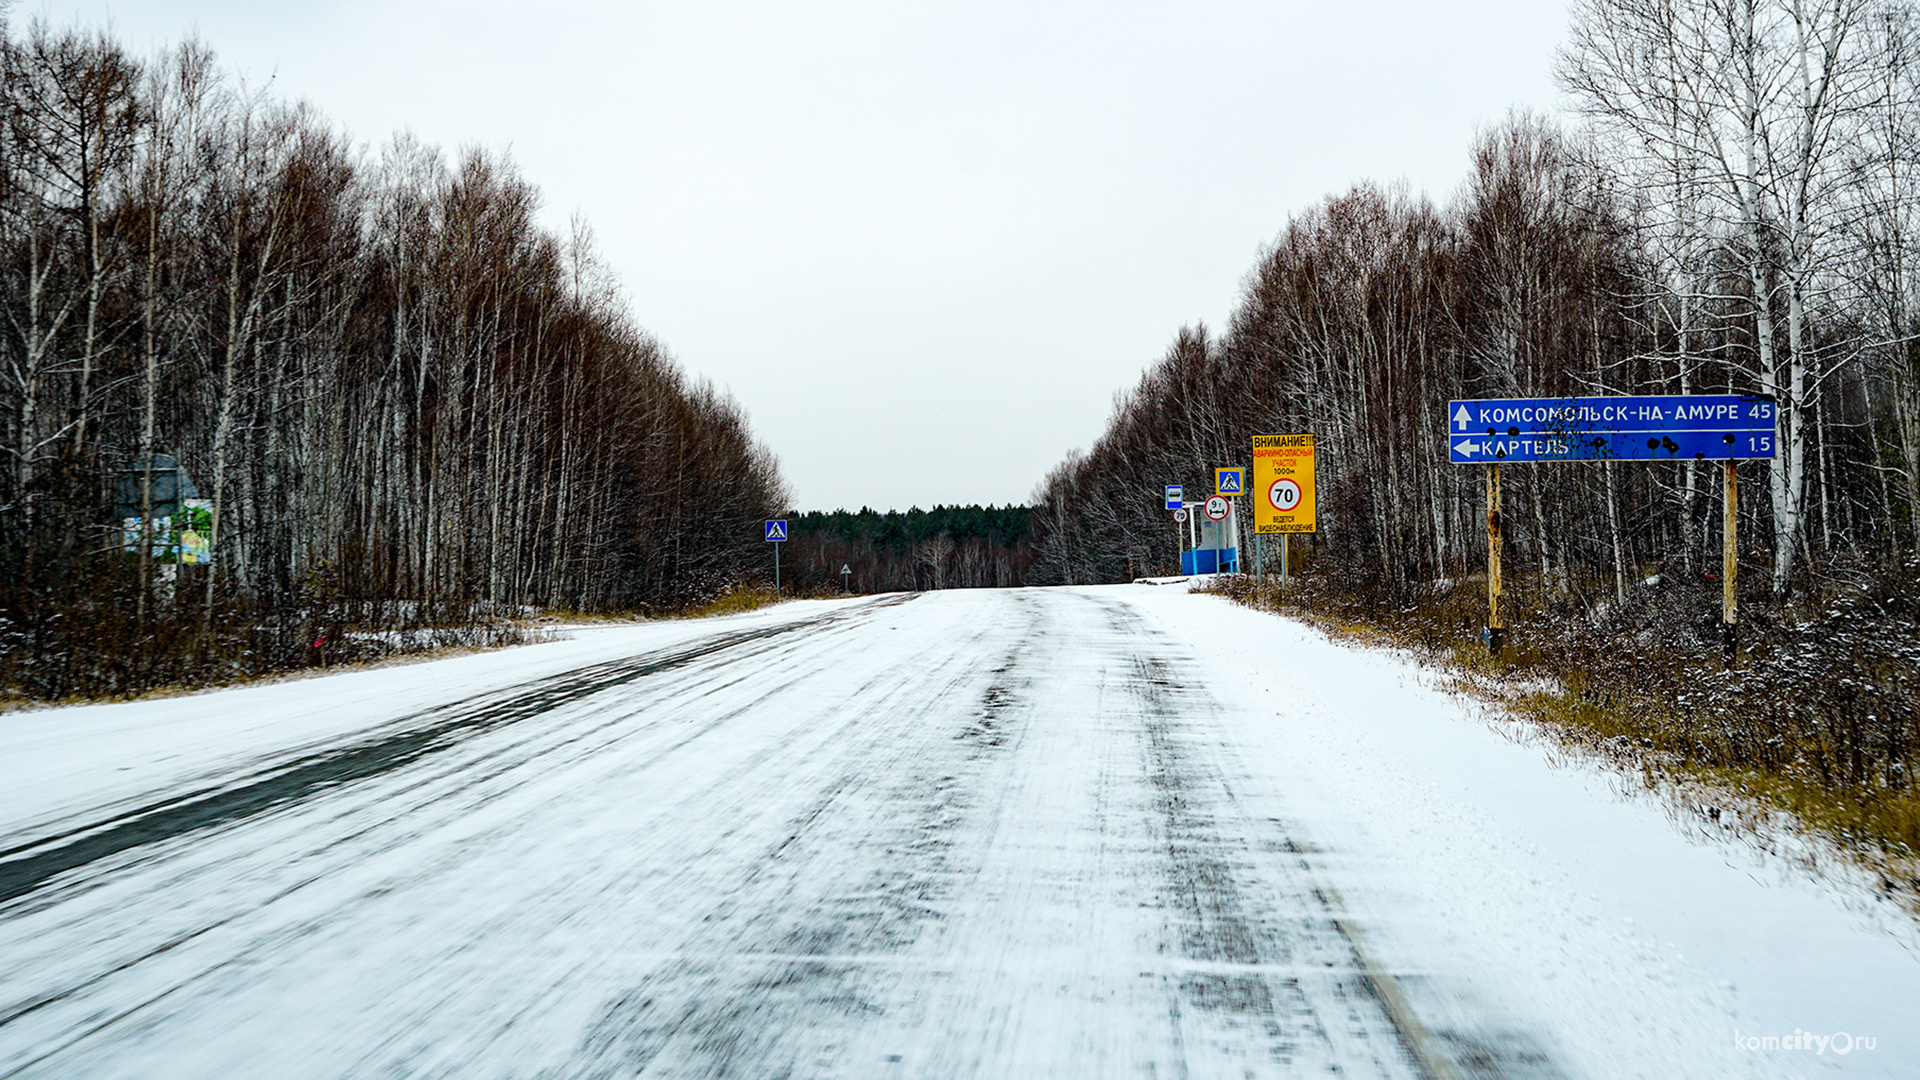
{"points": [[966, 834]]}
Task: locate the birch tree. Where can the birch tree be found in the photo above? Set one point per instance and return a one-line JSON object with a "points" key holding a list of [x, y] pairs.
{"points": [[1758, 98]]}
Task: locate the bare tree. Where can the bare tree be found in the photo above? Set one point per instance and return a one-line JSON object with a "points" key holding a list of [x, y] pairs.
{"points": [[1758, 99]]}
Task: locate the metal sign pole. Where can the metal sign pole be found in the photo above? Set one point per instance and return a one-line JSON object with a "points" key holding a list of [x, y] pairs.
{"points": [[1232, 542], [1286, 541], [1239, 541], [1494, 629], [1219, 560], [1730, 563], [776, 566]]}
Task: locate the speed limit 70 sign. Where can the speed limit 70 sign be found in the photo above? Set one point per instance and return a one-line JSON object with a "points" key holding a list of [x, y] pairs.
{"points": [[1282, 484]]}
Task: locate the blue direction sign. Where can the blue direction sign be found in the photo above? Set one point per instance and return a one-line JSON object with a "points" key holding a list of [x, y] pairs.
{"points": [[1175, 493], [776, 530], [1714, 427]]}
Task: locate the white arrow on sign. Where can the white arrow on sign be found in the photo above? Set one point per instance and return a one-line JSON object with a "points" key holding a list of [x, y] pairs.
{"points": [[1462, 417], [1467, 447]]}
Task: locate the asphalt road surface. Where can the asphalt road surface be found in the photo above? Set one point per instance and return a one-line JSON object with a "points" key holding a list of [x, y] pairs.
{"points": [[966, 834]]}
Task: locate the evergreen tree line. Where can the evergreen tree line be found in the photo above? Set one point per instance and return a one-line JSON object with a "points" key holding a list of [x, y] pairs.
{"points": [[1736, 215], [407, 404], [948, 547]]}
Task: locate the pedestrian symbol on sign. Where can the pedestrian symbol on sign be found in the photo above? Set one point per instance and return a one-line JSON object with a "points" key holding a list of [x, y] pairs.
{"points": [[776, 530], [1229, 483]]}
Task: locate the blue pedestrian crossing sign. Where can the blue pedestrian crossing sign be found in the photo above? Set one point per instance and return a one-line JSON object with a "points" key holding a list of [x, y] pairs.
{"points": [[1230, 483], [776, 530]]}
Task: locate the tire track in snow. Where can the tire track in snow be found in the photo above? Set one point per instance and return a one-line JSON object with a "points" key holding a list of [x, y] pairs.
{"points": [[1247, 927], [853, 972], [26, 867], [787, 969], [500, 708], [1015, 847], [1267, 958]]}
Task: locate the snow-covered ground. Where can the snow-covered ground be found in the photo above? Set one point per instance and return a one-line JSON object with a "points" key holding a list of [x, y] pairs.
{"points": [[1091, 832], [57, 764], [1515, 877]]}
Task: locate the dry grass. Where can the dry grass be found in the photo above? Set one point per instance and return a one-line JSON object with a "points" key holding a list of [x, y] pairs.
{"points": [[14, 702], [347, 647], [739, 598]]}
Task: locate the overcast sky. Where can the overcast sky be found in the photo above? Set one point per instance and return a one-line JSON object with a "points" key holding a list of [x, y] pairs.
{"points": [[922, 242]]}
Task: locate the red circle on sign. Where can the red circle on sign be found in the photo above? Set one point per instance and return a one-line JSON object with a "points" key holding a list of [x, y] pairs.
{"points": [[1284, 495], [1180, 515], [1217, 508]]}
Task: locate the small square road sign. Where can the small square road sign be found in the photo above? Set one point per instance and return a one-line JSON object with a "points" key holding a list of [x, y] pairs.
{"points": [[776, 530], [1230, 483]]}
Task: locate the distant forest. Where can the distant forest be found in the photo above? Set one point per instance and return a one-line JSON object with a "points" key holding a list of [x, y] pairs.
{"points": [[406, 406], [1738, 214], [947, 547]]}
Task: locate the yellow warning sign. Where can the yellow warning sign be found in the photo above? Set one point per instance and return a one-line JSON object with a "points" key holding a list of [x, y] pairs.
{"points": [[1281, 488]]}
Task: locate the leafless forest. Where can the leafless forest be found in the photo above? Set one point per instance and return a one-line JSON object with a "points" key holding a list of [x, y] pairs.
{"points": [[412, 410], [1736, 215]]}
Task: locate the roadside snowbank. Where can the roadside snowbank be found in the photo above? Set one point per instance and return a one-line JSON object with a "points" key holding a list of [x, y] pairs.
{"points": [[1484, 867]]}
